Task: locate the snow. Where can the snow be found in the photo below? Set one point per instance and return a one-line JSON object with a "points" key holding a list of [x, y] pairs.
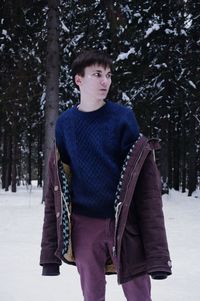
{"points": [[21, 218], [124, 55], [4, 32], [183, 32], [192, 84], [64, 27], [137, 15], [125, 96], [153, 28]]}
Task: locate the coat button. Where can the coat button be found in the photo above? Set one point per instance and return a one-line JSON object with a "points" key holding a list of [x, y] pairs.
{"points": [[169, 264], [56, 188], [57, 214]]}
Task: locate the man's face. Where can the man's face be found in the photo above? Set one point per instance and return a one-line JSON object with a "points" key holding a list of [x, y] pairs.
{"points": [[95, 83]]}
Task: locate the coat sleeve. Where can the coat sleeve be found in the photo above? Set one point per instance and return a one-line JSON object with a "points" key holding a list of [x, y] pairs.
{"points": [[49, 235], [150, 218]]}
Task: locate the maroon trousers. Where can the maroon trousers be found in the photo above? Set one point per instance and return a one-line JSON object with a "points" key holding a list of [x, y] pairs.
{"points": [[92, 241]]}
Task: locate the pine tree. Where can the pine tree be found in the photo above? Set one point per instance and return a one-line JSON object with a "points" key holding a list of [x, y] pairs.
{"points": [[51, 104], [22, 83]]}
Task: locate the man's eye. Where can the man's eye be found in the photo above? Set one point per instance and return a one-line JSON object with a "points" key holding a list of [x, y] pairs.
{"points": [[97, 74], [109, 75]]}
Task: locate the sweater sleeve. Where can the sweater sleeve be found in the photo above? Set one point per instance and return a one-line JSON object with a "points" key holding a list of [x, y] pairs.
{"points": [[60, 143], [129, 132]]}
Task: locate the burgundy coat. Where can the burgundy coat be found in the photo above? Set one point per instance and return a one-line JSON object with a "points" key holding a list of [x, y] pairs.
{"points": [[140, 237]]}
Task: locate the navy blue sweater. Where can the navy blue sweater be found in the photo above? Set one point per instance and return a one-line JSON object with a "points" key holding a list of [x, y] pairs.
{"points": [[95, 145]]}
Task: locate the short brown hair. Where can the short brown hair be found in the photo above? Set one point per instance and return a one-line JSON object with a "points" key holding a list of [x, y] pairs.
{"points": [[88, 58]]}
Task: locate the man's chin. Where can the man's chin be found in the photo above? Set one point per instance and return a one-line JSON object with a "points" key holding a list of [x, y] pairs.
{"points": [[102, 97]]}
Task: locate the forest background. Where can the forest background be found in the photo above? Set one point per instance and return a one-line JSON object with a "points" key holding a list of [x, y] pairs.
{"points": [[155, 46]]}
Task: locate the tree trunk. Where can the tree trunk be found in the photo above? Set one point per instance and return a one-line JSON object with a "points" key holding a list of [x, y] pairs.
{"points": [[164, 166], [176, 156], [13, 168], [192, 172], [8, 163], [52, 90], [183, 150], [3, 177], [170, 166], [39, 155], [29, 158]]}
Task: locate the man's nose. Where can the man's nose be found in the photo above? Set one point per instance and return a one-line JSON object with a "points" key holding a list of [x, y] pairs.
{"points": [[104, 81]]}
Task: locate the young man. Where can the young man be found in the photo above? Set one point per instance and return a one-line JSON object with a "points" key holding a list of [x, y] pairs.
{"points": [[103, 209]]}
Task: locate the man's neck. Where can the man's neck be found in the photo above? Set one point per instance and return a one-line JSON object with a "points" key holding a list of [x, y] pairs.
{"points": [[86, 106]]}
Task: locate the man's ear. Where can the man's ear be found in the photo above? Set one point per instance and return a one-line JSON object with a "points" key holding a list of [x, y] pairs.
{"points": [[78, 79]]}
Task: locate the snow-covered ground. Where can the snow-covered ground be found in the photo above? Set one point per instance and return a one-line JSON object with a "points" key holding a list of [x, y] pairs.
{"points": [[21, 217]]}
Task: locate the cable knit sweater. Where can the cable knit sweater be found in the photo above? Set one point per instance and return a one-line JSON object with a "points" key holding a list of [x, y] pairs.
{"points": [[95, 144]]}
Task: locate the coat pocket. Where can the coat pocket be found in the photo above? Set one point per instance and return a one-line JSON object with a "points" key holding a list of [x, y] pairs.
{"points": [[132, 229], [132, 249]]}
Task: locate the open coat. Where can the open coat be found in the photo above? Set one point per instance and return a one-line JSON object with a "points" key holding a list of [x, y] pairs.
{"points": [[140, 243]]}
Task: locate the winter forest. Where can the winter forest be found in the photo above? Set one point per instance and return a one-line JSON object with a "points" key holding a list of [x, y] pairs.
{"points": [[155, 46]]}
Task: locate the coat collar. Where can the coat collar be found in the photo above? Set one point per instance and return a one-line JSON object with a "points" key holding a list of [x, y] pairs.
{"points": [[135, 153]]}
